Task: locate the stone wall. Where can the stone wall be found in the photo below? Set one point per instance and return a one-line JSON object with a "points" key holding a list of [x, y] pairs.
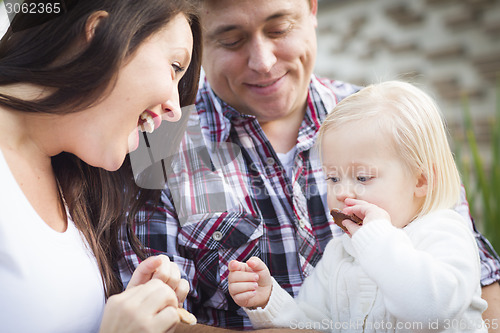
{"points": [[448, 47]]}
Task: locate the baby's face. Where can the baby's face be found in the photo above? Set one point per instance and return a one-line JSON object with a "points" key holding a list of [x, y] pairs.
{"points": [[360, 162]]}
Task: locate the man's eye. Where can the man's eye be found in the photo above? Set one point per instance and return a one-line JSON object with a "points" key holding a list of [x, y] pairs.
{"points": [[230, 42], [280, 29], [278, 32]]}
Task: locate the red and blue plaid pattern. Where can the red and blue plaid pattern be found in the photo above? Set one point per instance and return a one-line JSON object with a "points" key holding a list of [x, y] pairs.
{"points": [[228, 197]]}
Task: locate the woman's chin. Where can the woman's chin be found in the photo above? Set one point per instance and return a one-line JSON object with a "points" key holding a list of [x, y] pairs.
{"points": [[133, 140], [108, 163]]}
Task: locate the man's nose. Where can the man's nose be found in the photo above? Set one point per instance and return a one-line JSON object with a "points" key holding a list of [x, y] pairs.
{"points": [[261, 54]]}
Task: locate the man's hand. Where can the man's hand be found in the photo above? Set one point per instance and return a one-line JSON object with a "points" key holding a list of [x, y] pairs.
{"points": [[491, 316]]}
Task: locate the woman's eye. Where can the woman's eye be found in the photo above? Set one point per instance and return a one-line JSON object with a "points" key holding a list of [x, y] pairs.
{"points": [[177, 67]]}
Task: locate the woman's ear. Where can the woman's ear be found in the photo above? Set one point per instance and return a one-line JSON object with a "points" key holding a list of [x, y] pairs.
{"points": [[92, 22], [421, 186]]}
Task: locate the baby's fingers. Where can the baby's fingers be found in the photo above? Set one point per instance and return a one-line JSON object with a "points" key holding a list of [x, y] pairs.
{"points": [[239, 276], [235, 265], [351, 227], [256, 264], [243, 292], [241, 288]]}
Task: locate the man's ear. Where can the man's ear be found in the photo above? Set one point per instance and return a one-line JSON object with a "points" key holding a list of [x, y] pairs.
{"points": [[314, 7], [314, 11], [92, 22], [421, 186]]}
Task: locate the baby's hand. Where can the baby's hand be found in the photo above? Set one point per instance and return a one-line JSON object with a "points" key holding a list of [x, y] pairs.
{"points": [[250, 283], [365, 211]]}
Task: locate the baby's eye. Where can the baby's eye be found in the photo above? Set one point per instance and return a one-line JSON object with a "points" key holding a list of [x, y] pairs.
{"points": [[333, 179], [364, 178]]}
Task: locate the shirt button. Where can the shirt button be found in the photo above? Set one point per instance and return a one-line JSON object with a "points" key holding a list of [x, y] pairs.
{"points": [[302, 223], [217, 236], [270, 161]]}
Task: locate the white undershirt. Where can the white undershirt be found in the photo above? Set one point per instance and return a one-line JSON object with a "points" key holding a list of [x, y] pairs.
{"points": [[287, 160], [49, 281]]}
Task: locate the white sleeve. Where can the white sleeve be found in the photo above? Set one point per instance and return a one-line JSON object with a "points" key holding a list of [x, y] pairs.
{"points": [[432, 275], [312, 305]]}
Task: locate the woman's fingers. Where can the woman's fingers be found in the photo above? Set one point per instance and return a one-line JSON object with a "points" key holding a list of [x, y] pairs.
{"points": [[168, 272], [144, 272], [137, 309], [160, 268], [168, 317], [156, 296], [182, 290]]}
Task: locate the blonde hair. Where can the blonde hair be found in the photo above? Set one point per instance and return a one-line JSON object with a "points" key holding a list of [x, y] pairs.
{"points": [[414, 123]]}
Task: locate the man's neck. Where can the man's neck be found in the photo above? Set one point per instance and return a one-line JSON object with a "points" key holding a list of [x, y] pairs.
{"points": [[283, 132]]}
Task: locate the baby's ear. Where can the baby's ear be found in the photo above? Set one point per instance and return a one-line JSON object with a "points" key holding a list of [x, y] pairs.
{"points": [[421, 185]]}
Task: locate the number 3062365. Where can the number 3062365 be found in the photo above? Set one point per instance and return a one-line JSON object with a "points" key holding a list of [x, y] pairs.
{"points": [[33, 8]]}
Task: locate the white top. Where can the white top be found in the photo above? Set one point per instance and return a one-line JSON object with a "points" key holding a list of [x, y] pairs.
{"points": [[387, 279], [49, 281], [287, 160]]}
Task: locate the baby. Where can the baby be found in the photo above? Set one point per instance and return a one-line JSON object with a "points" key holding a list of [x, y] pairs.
{"points": [[413, 264]]}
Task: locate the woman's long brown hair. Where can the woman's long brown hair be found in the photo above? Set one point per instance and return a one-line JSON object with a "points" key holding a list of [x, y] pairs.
{"points": [[97, 200]]}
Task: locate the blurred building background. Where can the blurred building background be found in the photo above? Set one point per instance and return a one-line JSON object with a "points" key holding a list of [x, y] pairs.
{"points": [[448, 47]]}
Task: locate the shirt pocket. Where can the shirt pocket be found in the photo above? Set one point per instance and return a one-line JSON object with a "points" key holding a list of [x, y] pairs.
{"points": [[211, 241]]}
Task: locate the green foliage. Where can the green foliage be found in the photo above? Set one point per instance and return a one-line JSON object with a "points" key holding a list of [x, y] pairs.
{"points": [[481, 175]]}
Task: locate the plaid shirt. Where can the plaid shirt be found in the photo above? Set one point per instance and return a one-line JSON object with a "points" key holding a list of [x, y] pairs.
{"points": [[228, 197]]}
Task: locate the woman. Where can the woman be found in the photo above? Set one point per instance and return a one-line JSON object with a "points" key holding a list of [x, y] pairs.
{"points": [[74, 88]]}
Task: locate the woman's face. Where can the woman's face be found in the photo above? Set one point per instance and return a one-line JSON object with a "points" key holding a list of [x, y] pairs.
{"points": [[147, 83]]}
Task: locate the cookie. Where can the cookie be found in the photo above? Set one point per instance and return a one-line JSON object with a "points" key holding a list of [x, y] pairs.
{"points": [[338, 217], [186, 317]]}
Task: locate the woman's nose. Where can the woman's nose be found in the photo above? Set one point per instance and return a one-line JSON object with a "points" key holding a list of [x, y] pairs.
{"points": [[172, 108]]}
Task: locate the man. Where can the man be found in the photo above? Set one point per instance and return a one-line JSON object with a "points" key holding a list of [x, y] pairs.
{"points": [[249, 181]]}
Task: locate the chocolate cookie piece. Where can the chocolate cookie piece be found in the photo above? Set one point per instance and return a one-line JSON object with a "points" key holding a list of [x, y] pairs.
{"points": [[338, 217]]}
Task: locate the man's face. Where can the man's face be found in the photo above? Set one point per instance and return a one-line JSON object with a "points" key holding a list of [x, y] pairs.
{"points": [[259, 54]]}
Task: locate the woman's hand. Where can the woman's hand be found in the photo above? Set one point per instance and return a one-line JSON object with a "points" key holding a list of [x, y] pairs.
{"points": [[149, 303], [149, 307], [161, 268]]}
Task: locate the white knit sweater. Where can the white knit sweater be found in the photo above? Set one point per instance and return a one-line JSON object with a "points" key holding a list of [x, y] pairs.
{"points": [[422, 278]]}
